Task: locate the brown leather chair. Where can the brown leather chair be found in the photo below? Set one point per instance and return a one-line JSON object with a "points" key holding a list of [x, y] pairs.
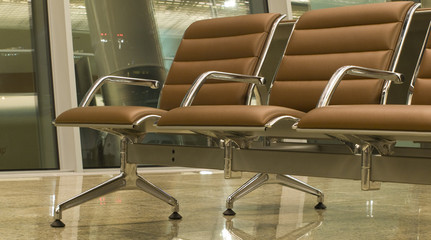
{"points": [[226, 48], [322, 43], [379, 127]]}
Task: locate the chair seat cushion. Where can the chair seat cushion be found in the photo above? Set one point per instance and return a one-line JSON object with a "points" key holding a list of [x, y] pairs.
{"points": [[225, 115], [106, 115], [369, 117]]}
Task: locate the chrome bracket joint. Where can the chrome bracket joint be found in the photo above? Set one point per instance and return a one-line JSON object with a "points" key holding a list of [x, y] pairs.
{"points": [[228, 146], [366, 159]]}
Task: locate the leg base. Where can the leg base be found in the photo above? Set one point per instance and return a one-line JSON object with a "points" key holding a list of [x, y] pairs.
{"points": [[175, 216], [320, 206], [229, 212], [57, 224]]}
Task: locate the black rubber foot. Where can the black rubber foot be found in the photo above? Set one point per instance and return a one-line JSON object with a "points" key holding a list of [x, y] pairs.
{"points": [[229, 212], [57, 224], [175, 216], [320, 206]]}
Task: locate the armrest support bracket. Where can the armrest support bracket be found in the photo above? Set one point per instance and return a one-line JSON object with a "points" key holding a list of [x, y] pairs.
{"points": [[216, 75], [154, 84], [336, 78]]}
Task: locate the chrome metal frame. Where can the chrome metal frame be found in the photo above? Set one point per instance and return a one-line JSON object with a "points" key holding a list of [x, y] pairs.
{"points": [[418, 63], [264, 178], [263, 57], [274, 121], [127, 179], [268, 43], [367, 146], [216, 75], [401, 39], [366, 157], [270, 66], [306, 159], [367, 141], [397, 50], [336, 78], [228, 146], [154, 84]]}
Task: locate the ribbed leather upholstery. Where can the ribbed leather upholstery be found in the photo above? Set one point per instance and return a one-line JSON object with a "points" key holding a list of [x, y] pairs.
{"points": [[232, 44], [209, 45], [380, 117], [369, 117], [106, 115], [225, 115], [324, 40]]}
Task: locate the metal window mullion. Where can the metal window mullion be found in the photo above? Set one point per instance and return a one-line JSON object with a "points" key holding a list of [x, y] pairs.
{"points": [[64, 85]]}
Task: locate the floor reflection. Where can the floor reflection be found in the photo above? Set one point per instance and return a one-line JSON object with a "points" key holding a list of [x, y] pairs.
{"points": [[299, 232], [286, 222], [397, 211]]}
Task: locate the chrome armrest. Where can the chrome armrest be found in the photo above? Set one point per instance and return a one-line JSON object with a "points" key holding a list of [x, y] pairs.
{"points": [[336, 78], [215, 75], [154, 84]]}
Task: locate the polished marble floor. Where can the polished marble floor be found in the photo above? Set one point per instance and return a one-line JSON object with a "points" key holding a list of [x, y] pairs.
{"points": [[397, 211]]}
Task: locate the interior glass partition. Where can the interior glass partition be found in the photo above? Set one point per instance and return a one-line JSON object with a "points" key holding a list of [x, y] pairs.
{"points": [[318, 4], [27, 137], [131, 38]]}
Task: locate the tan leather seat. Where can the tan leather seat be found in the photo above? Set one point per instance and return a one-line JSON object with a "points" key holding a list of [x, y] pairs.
{"points": [[378, 127], [225, 115], [416, 117], [233, 44], [322, 41], [369, 117]]}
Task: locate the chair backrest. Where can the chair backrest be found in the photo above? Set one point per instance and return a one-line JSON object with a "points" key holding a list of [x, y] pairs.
{"points": [[231, 44], [327, 39], [422, 83]]}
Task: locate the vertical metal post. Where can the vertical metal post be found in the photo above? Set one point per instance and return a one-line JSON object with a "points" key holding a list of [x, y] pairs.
{"points": [[64, 86], [366, 158], [228, 157]]}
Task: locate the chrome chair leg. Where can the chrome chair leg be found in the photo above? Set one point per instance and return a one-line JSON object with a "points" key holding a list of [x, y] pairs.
{"points": [[264, 178], [153, 190], [127, 178], [251, 185], [109, 186], [297, 184]]}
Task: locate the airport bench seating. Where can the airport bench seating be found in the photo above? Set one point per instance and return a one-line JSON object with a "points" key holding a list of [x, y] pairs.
{"points": [[378, 127], [323, 42], [227, 48]]}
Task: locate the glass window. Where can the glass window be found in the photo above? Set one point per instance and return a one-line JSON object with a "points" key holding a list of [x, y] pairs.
{"points": [[318, 4], [131, 38], [27, 137]]}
